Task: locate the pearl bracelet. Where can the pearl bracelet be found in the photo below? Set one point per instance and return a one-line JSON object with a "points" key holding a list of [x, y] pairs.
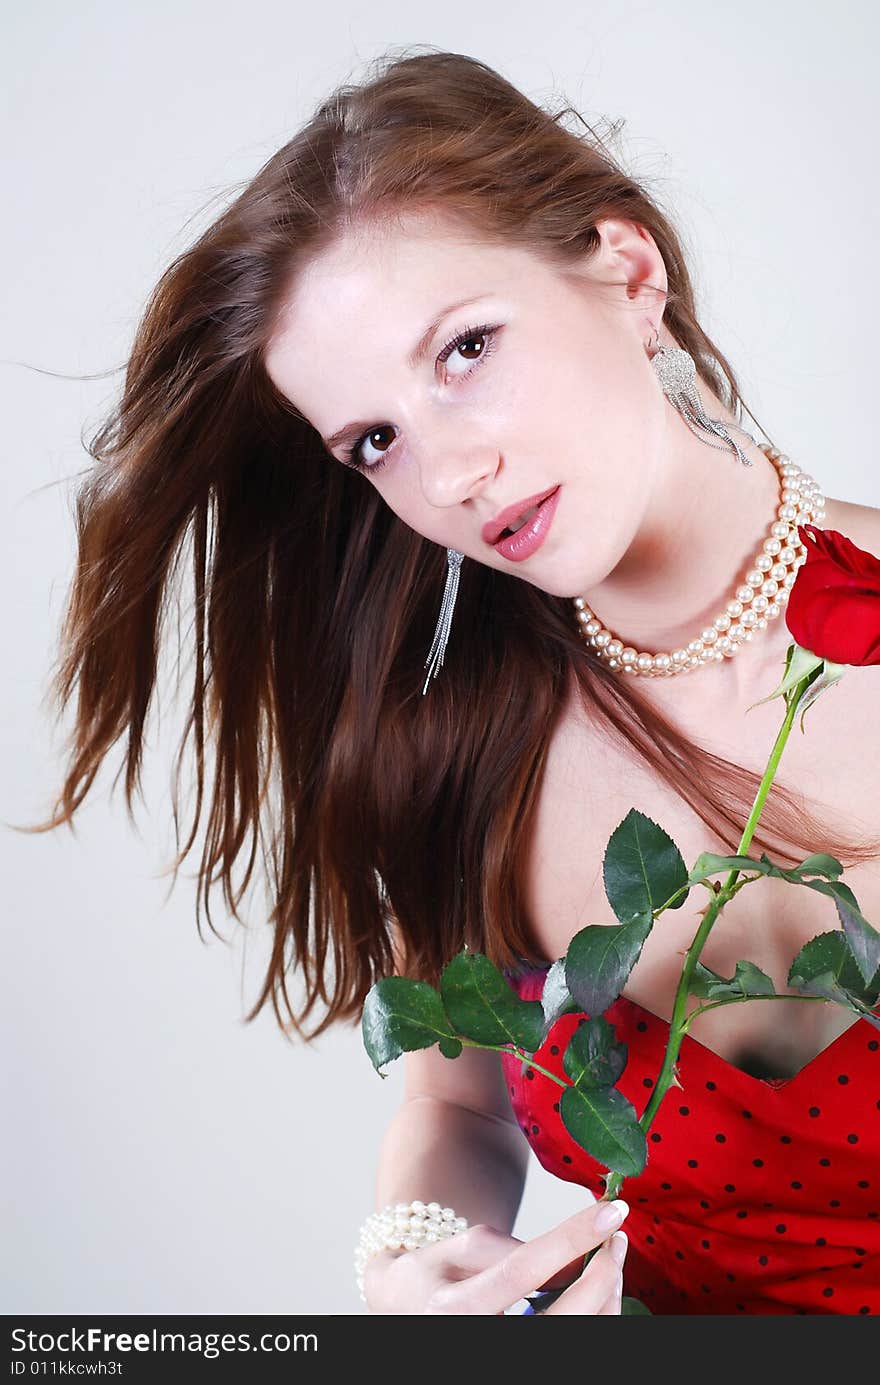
{"points": [[403, 1226]]}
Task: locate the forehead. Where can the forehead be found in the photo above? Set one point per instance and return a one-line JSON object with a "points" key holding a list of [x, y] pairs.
{"points": [[382, 282]]}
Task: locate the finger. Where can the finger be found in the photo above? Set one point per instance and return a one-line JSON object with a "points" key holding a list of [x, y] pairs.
{"points": [[611, 1306], [597, 1284], [533, 1262], [614, 1303], [478, 1252], [565, 1276], [482, 1246], [570, 1272]]}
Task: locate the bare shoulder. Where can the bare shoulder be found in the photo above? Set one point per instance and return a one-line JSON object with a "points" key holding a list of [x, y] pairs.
{"points": [[860, 523]]}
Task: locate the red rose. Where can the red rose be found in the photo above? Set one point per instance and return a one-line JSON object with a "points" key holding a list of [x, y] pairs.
{"points": [[833, 609]]}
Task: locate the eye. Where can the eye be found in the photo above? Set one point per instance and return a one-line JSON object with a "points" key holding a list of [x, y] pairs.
{"points": [[483, 339]]}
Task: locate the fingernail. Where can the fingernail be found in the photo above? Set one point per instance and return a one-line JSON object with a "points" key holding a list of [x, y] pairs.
{"points": [[612, 1214], [619, 1243]]}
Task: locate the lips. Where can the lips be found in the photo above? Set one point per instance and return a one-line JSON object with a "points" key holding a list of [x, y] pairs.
{"points": [[507, 518], [521, 544]]}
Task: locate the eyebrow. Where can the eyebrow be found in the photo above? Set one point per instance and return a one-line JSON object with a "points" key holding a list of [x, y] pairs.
{"points": [[352, 431]]}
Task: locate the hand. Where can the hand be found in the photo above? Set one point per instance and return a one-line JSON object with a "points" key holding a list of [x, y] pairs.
{"points": [[484, 1271]]}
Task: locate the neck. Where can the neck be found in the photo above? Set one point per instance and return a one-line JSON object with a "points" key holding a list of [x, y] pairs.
{"points": [[704, 524]]}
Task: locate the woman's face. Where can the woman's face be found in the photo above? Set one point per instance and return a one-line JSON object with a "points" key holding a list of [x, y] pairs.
{"points": [[550, 385]]}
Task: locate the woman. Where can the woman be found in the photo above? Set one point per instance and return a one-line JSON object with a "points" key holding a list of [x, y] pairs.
{"points": [[433, 310]]}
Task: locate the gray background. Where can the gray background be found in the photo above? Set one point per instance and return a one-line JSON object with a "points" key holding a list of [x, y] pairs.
{"points": [[161, 1156]]}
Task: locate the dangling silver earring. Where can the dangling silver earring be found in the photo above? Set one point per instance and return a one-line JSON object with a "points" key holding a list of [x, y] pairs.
{"points": [[677, 373], [444, 622]]}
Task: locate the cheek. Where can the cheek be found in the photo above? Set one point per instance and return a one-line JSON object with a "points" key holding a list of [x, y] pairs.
{"points": [[402, 494], [566, 398], [606, 392]]}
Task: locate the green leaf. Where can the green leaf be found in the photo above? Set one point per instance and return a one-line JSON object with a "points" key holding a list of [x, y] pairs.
{"points": [[825, 966], [709, 864], [605, 1124], [484, 1007], [702, 978], [642, 868], [863, 940], [400, 1015], [747, 980], [633, 1307], [831, 673], [798, 664], [556, 999], [594, 1057], [600, 958], [819, 864]]}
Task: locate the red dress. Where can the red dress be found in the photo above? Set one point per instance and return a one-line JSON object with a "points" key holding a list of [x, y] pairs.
{"points": [[759, 1195]]}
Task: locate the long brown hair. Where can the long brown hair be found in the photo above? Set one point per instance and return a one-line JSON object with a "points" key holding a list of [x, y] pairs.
{"points": [[315, 605]]}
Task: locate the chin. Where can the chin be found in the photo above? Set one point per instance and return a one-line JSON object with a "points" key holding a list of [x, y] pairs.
{"points": [[568, 581], [562, 590]]}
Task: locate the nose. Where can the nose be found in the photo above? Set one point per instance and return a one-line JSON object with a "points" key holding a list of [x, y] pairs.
{"points": [[455, 469]]}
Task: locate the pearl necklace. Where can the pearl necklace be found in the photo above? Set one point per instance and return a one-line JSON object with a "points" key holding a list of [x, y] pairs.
{"points": [[759, 600]]}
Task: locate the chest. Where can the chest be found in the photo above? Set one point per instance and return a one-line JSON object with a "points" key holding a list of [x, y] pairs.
{"points": [[590, 785]]}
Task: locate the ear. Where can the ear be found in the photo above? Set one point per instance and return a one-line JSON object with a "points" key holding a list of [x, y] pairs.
{"points": [[627, 255]]}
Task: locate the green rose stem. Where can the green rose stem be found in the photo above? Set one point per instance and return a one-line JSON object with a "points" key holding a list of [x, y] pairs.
{"points": [[679, 1021]]}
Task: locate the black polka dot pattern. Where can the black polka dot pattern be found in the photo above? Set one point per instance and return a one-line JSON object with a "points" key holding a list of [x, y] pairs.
{"points": [[727, 1215]]}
